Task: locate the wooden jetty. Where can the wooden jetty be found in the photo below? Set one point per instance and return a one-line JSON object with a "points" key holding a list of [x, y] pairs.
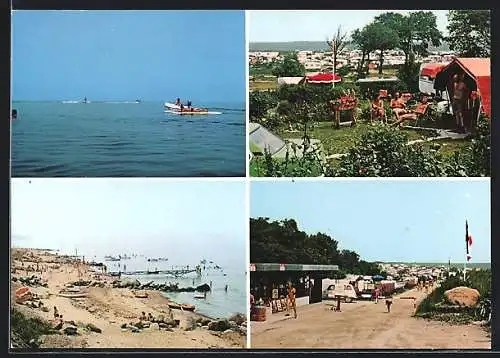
{"points": [[176, 273]]}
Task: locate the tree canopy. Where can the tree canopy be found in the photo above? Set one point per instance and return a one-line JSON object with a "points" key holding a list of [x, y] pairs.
{"points": [[289, 66], [283, 242], [416, 31], [469, 32]]}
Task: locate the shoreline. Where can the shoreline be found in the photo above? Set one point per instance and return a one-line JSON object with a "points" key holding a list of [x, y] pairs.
{"points": [[96, 314]]}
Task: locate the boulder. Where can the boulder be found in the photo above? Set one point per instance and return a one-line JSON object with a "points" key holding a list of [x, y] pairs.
{"points": [[127, 283], [162, 325], [463, 296], [190, 324], [93, 328], [228, 331], [238, 318], [154, 327], [220, 325], [70, 330], [203, 288], [205, 321]]}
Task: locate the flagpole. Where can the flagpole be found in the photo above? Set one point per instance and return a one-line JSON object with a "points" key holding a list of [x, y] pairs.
{"points": [[466, 248]]}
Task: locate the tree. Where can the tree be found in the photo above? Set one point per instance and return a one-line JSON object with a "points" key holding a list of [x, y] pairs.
{"points": [[337, 44], [381, 37], [469, 32], [360, 39], [416, 31], [289, 66]]}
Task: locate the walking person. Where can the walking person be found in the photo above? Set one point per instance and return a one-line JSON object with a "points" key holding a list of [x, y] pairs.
{"points": [[388, 303], [291, 299]]}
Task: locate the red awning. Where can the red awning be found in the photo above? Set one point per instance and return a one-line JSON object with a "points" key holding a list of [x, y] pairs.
{"points": [[432, 69], [324, 78], [479, 69]]}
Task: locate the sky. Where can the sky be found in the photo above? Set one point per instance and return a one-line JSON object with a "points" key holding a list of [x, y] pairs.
{"points": [[129, 55], [382, 220], [315, 25], [184, 220]]}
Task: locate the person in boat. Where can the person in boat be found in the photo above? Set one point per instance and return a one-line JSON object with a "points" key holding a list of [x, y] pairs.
{"points": [[14, 114], [189, 106], [178, 102]]}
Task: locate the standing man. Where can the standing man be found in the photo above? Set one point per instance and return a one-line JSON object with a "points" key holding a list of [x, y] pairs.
{"points": [[459, 100], [291, 298]]}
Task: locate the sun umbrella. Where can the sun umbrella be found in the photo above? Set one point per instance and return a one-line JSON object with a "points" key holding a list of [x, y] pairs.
{"points": [[324, 78]]}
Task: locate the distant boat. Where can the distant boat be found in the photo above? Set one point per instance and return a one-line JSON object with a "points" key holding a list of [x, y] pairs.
{"points": [[85, 100], [138, 101], [111, 258]]}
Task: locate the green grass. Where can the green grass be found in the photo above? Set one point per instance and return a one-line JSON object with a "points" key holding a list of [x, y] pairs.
{"points": [[24, 329], [340, 140], [450, 146], [262, 85]]}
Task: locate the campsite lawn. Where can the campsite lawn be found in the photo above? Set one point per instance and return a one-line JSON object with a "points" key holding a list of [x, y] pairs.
{"points": [[262, 85], [340, 140]]}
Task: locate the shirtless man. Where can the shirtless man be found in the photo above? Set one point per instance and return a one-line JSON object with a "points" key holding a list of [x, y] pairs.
{"points": [[291, 299], [459, 100]]}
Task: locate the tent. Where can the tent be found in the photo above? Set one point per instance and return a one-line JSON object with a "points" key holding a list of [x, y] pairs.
{"points": [[478, 71], [321, 78], [431, 70]]}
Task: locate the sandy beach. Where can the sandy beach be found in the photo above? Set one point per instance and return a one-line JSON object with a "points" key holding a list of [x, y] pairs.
{"points": [[102, 316], [365, 325]]}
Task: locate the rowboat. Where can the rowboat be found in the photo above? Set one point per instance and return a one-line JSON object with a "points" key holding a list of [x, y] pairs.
{"points": [[183, 306], [72, 295], [175, 109]]}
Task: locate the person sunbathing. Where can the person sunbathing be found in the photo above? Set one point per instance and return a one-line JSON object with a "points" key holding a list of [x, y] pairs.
{"points": [[398, 105], [377, 110], [413, 115]]}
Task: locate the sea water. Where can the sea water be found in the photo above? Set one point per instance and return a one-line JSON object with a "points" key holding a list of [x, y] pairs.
{"points": [[126, 139], [219, 303]]}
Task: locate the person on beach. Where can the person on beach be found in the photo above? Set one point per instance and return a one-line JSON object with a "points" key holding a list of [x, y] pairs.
{"points": [[291, 299], [210, 285], [388, 303], [56, 312], [225, 288], [377, 294], [143, 316]]}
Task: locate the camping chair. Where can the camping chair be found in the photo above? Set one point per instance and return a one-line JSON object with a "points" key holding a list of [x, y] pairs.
{"points": [[420, 112]]}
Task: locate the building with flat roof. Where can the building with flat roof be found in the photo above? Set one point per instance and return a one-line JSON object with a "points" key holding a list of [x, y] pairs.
{"points": [[307, 279]]}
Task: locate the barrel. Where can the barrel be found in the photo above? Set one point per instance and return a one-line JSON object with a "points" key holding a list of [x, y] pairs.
{"points": [[259, 314]]}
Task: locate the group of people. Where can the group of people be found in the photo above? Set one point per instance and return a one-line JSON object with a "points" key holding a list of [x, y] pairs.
{"points": [[181, 105], [399, 105]]}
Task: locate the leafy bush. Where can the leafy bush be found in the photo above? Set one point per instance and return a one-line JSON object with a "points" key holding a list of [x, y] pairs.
{"points": [[260, 103], [409, 75], [383, 152], [26, 331], [479, 163]]}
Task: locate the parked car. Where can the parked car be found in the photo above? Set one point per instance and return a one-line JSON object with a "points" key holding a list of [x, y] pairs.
{"points": [[345, 291]]}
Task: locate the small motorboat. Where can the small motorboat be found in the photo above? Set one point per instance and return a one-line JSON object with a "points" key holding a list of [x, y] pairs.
{"points": [[175, 109]]}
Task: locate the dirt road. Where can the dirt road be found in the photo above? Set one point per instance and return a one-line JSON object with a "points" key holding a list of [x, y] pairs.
{"points": [[364, 325]]}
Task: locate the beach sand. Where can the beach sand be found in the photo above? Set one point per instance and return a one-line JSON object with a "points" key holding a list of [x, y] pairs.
{"points": [[108, 309]]}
